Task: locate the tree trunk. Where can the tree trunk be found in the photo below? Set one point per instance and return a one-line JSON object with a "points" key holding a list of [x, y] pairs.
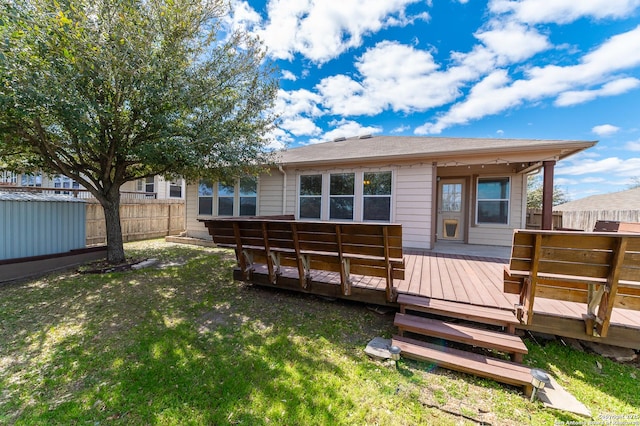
{"points": [[115, 247]]}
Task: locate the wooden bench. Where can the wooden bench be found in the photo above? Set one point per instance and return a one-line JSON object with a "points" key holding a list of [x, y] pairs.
{"points": [[614, 226], [599, 269], [347, 248]]}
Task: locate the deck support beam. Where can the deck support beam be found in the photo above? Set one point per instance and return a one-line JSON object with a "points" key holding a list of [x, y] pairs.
{"points": [[547, 195]]}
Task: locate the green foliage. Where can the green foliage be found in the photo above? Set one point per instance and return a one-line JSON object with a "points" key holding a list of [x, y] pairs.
{"points": [[107, 92], [534, 193]]}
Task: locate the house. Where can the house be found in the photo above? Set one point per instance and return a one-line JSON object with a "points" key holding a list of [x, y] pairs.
{"points": [[152, 187], [621, 206], [455, 189]]}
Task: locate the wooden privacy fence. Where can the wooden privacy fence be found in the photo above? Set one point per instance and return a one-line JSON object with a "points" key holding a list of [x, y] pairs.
{"points": [[140, 219], [534, 219], [586, 219]]}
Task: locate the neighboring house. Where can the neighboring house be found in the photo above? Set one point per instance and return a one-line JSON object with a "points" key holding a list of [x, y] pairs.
{"points": [[456, 189], [622, 206], [154, 187]]}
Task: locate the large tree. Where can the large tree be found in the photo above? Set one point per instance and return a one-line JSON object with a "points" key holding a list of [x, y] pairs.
{"points": [[534, 193], [110, 91]]}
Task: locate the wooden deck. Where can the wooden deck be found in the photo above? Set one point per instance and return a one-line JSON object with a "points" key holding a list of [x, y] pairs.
{"points": [[466, 279]]}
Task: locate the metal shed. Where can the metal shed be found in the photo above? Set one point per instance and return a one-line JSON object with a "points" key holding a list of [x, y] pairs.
{"points": [[40, 224]]}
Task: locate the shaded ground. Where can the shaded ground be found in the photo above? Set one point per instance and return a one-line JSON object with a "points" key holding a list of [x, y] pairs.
{"points": [[182, 343]]}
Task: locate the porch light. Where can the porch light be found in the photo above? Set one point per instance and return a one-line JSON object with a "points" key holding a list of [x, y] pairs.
{"points": [[395, 353], [539, 380]]}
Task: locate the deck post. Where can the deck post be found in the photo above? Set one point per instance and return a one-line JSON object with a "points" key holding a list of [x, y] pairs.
{"points": [[547, 195]]}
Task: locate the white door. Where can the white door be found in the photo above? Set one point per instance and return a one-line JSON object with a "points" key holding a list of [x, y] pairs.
{"points": [[451, 209]]}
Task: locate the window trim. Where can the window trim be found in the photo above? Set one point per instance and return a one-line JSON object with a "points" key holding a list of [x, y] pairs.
{"points": [[507, 199], [320, 196], [352, 196], [215, 197], [389, 196], [358, 196]]}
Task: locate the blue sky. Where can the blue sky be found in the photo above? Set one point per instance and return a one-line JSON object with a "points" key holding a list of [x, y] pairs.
{"points": [[542, 69]]}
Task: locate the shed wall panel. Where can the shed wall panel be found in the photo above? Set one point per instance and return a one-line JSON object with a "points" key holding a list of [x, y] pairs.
{"points": [[36, 228]]}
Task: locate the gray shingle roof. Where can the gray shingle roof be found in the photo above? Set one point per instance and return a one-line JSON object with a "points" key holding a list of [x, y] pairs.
{"points": [[622, 200], [408, 147]]}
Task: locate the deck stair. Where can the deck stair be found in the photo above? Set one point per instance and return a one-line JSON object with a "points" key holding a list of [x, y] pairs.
{"points": [[502, 371], [464, 311], [509, 372], [473, 336]]}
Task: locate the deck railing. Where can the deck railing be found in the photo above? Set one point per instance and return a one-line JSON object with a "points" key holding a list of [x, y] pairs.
{"points": [[76, 193]]}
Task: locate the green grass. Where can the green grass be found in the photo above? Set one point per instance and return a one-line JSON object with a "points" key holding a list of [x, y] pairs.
{"points": [[185, 344]]}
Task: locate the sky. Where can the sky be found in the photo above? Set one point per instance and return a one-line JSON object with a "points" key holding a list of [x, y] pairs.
{"points": [[532, 69]]}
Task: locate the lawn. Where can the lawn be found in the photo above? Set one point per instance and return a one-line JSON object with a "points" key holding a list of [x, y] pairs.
{"points": [[182, 343]]}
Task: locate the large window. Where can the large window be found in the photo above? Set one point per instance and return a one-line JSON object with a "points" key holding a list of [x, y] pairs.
{"points": [[248, 196], [205, 198], [341, 195], [239, 198], [376, 191], [225, 199], [31, 180], [8, 178], [60, 181], [310, 196], [493, 200]]}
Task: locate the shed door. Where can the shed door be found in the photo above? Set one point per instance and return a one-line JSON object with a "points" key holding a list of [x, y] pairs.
{"points": [[451, 210]]}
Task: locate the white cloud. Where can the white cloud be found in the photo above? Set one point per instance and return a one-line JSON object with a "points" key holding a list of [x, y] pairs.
{"points": [[512, 42], [497, 92], [288, 75], [563, 11], [605, 130], [346, 128], [612, 166], [391, 76], [400, 129], [612, 88], [633, 146], [322, 30]]}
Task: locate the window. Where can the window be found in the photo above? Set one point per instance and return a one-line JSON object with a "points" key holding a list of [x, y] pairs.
{"points": [[310, 196], [60, 181], [31, 180], [205, 198], [341, 196], [493, 200], [248, 196], [146, 185], [225, 199], [8, 178], [175, 188], [376, 190]]}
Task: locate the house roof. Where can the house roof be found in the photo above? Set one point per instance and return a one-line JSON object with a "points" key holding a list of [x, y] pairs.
{"points": [[32, 196], [376, 148], [622, 200]]}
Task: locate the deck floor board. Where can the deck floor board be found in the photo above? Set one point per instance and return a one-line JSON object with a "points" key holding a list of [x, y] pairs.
{"points": [[461, 278]]}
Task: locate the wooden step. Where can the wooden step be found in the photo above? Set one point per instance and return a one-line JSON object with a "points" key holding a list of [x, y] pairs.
{"points": [[508, 343], [479, 314], [501, 371]]}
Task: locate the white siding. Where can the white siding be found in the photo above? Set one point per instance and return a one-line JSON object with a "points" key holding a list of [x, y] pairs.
{"points": [[413, 204], [194, 228], [502, 235], [270, 193]]}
